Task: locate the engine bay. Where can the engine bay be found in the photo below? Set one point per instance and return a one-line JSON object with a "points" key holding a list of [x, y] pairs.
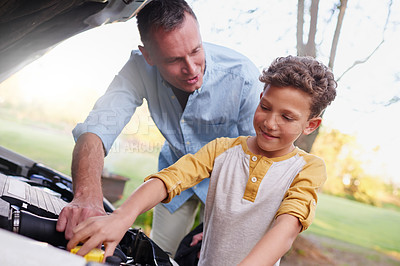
{"points": [[31, 197]]}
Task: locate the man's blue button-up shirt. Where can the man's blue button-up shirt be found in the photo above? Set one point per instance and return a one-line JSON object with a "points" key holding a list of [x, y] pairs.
{"points": [[223, 107]]}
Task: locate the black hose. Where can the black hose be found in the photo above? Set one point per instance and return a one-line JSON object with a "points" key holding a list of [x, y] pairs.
{"points": [[41, 229]]}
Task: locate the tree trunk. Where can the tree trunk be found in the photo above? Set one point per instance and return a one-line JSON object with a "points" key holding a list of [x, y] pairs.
{"points": [[335, 41], [306, 142], [300, 25], [310, 46]]}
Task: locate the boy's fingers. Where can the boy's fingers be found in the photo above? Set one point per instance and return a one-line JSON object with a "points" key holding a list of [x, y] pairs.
{"points": [[90, 244], [72, 243], [109, 249], [81, 233]]}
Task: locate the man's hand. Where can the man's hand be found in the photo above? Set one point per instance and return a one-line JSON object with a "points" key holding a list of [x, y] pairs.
{"points": [[196, 239], [76, 212]]}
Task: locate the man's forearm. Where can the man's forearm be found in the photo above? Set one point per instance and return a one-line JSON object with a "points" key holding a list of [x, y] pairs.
{"points": [[87, 167]]}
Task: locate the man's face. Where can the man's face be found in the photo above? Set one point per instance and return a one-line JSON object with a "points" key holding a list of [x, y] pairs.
{"points": [[178, 55]]}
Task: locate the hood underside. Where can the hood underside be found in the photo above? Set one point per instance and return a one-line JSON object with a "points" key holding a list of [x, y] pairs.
{"points": [[29, 28]]}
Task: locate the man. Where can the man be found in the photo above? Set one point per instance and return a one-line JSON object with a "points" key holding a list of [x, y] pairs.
{"points": [[195, 94]]}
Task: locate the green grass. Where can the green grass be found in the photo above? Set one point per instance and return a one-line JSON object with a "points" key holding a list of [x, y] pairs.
{"points": [[54, 147], [46, 145], [357, 223], [135, 166]]}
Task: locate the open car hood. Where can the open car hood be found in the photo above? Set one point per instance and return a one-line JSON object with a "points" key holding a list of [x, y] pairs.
{"points": [[28, 29]]}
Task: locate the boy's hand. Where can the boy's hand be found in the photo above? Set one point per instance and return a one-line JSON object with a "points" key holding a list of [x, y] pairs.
{"points": [[93, 232], [110, 229]]}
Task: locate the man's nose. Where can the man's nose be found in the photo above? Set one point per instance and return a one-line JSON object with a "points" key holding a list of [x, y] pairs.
{"points": [[189, 67]]}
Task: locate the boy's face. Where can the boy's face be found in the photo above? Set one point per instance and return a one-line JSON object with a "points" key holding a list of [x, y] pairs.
{"points": [[280, 118]]}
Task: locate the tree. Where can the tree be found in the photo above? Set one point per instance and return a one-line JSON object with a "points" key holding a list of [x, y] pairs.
{"points": [[309, 48]]}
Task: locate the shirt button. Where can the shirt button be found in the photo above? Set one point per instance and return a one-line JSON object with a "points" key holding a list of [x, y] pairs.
{"points": [[254, 158], [187, 142], [173, 97], [254, 179], [182, 121]]}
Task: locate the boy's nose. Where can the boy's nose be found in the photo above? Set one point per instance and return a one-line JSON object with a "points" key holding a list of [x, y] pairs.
{"points": [[271, 122]]}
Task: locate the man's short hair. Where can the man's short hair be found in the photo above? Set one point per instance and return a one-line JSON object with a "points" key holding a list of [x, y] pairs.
{"points": [[167, 15], [306, 74]]}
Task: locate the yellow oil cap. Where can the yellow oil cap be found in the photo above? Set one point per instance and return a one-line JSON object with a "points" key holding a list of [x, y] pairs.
{"points": [[95, 255]]}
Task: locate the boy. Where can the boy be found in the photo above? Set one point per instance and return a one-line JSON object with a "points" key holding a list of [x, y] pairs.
{"points": [[263, 189]]}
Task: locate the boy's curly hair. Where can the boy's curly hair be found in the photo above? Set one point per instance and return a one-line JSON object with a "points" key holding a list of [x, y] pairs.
{"points": [[306, 74]]}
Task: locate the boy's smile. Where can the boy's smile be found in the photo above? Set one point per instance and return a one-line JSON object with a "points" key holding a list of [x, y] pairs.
{"points": [[280, 118]]}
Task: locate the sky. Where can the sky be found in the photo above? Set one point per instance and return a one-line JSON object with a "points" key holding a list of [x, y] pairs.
{"points": [[262, 30]]}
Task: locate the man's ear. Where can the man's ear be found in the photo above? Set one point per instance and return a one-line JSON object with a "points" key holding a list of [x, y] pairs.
{"points": [[146, 55], [312, 125]]}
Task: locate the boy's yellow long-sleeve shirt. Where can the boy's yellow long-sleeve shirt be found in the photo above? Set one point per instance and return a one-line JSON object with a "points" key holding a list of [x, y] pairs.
{"points": [[246, 193]]}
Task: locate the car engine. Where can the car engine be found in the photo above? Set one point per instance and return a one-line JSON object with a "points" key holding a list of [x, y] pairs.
{"points": [[31, 198]]}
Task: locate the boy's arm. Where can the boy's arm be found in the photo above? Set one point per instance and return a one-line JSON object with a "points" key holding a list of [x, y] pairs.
{"points": [[293, 216], [110, 229], [162, 186], [191, 169], [275, 243]]}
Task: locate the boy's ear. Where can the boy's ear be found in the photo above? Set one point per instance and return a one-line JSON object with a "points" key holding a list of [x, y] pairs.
{"points": [[312, 125], [146, 55]]}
